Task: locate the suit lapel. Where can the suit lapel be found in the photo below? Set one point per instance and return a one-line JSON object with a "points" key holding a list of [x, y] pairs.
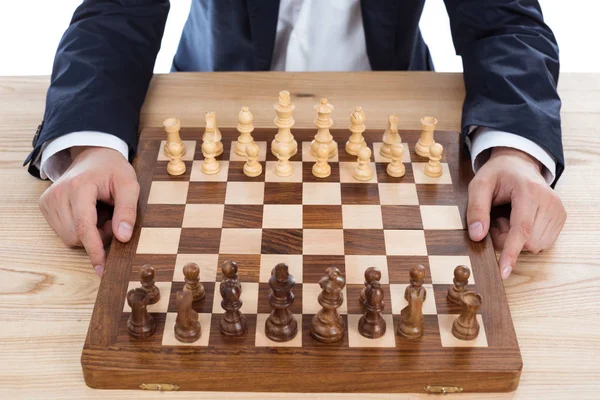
{"points": [[263, 16], [380, 19]]}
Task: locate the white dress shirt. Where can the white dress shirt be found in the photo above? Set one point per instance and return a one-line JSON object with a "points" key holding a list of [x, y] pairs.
{"points": [[312, 35]]}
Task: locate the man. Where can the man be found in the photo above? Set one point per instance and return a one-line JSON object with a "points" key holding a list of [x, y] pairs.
{"points": [[510, 124]]}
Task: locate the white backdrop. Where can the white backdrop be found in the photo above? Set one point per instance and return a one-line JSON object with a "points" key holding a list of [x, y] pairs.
{"points": [[31, 29]]}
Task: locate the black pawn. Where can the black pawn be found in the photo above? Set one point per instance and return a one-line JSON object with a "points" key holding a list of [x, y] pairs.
{"points": [[233, 322], [148, 283]]}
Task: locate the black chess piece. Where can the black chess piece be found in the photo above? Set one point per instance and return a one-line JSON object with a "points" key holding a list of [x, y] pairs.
{"points": [[328, 326], [233, 322], [191, 273], [412, 322], [187, 325], [461, 278], [140, 323], [372, 324], [280, 325], [371, 274], [148, 283]]}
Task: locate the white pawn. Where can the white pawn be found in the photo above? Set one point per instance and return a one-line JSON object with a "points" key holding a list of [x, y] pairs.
{"points": [[245, 129], [390, 137], [210, 165], [433, 169], [395, 168], [212, 132], [363, 171], [321, 169], [175, 166], [252, 167], [283, 167]]}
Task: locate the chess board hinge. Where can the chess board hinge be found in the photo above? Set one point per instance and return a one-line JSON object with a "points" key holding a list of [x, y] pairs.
{"points": [[438, 389], [161, 387]]}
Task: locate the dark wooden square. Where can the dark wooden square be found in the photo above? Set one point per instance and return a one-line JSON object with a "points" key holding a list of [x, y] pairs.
{"points": [[236, 173], [207, 193], [163, 216], [401, 217], [163, 264], [243, 216], [283, 193], [322, 217], [281, 241], [314, 267], [383, 177], [360, 193], [161, 174], [399, 268], [364, 242], [447, 243], [248, 266], [200, 241], [202, 306], [307, 175], [436, 195], [443, 306]]}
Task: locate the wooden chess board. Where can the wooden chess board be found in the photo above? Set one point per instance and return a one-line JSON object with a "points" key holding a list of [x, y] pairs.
{"points": [[310, 224]]}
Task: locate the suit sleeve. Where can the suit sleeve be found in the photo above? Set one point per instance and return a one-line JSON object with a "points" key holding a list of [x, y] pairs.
{"points": [[102, 70], [511, 67]]}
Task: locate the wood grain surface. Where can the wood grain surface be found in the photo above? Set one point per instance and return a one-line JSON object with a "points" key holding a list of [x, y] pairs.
{"points": [[47, 290]]}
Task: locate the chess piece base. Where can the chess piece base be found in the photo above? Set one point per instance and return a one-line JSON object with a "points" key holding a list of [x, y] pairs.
{"points": [[409, 331], [234, 326], [321, 172], [281, 333], [176, 169], [252, 171], [454, 296], [326, 333], [433, 172], [371, 330], [141, 331], [153, 295], [422, 149], [464, 332], [293, 143], [284, 170], [188, 335], [210, 168], [197, 295], [363, 175], [386, 151], [396, 172], [352, 148]]}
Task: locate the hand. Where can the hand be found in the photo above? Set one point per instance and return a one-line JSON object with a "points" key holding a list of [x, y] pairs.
{"points": [[69, 205], [537, 216]]}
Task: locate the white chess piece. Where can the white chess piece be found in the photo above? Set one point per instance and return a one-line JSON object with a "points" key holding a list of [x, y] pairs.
{"points": [[176, 166], [390, 136], [395, 168], [363, 171], [210, 165], [284, 121], [323, 123], [252, 167], [433, 169], [245, 129], [322, 169], [428, 125], [283, 167], [212, 132], [172, 127], [357, 127]]}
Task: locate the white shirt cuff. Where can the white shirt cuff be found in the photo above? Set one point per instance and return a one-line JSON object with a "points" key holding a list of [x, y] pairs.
{"points": [[484, 139], [56, 159]]}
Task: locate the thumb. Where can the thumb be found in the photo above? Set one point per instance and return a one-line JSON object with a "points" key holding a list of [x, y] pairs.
{"points": [[481, 191], [125, 195]]}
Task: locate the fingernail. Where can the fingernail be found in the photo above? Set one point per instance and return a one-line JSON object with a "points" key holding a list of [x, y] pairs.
{"points": [[475, 230], [506, 272], [99, 270], [125, 231]]}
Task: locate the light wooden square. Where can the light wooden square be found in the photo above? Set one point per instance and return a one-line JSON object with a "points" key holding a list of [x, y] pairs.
{"points": [[208, 264], [165, 192], [240, 241], [161, 306], [421, 178], [245, 193], [347, 170], [159, 241], [355, 339], [321, 193], [306, 156], [442, 268], [357, 265], [405, 243], [272, 177], [190, 149], [198, 176], [441, 217], [378, 158], [448, 340], [362, 216], [249, 298], [263, 341], [310, 299], [399, 302], [282, 216], [269, 261], [398, 194], [323, 242], [203, 216], [262, 152], [169, 332]]}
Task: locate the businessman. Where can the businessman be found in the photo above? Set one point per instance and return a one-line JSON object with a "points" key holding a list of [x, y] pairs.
{"points": [[104, 63]]}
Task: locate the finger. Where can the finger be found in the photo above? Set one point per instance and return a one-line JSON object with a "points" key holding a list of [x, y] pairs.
{"points": [[57, 211], [106, 232], [481, 191], [498, 232], [125, 194], [540, 225], [524, 209], [553, 230], [83, 204]]}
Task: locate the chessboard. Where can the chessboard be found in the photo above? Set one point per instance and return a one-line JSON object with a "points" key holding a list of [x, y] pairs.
{"points": [[310, 224]]}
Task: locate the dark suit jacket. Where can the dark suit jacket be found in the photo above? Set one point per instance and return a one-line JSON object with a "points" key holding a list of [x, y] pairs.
{"points": [[105, 60]]}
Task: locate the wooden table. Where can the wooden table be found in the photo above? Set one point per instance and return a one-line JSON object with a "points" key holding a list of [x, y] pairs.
{"points": [[47, 290]]}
